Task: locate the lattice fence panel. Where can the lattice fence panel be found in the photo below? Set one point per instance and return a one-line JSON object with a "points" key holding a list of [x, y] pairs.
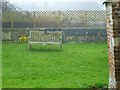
{"points": [[47, 19], [96, 19], [23, 16], [59, 19], [7, 17]]}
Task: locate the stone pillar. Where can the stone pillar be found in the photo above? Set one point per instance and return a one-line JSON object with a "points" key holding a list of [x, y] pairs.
{"points": [[113, 36]]}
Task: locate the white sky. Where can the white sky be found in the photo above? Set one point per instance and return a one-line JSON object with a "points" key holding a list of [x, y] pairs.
{"points": [[18, 1], [45, 3]]}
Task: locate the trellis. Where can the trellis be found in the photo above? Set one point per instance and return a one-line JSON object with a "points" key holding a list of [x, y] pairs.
{"points": [[56, 19]]}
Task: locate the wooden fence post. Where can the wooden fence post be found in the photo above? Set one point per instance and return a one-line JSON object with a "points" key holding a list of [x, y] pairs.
{"points": [[34, 17], [12, 26]]}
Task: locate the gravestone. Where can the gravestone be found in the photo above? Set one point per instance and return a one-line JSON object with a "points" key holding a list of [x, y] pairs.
{"points": [[6, 35]]}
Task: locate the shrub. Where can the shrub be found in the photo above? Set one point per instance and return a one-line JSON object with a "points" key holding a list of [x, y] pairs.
{"points": [[23, 39]]}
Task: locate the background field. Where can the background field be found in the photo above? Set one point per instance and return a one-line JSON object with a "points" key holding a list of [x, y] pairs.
{"points": [[77, 65]]}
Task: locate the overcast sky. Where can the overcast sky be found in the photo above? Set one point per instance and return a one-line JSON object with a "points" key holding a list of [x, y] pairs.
{"points": [[56, 0], [57, 4]]}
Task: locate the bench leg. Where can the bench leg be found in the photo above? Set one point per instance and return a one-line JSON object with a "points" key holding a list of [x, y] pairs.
{"points": [[29, 46], [61, 47]]}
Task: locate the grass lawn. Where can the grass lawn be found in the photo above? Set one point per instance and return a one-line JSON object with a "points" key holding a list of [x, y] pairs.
{"points": [[76, 66]]}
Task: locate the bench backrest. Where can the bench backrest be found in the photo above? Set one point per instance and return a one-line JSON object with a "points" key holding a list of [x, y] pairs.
{"points": [[45, 36]]}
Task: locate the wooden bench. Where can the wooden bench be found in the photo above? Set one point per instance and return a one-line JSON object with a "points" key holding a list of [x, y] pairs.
{"points": [[45, 37]]}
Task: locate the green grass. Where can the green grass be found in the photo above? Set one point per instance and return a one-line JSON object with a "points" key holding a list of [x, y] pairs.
{"points": [[76, 66]]}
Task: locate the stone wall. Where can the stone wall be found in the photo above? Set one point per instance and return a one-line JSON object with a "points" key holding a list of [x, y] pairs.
{"points": [[69, 35], [113, 32]]}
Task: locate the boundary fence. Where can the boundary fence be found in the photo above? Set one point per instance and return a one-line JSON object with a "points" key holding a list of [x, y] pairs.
{"points": [[76, 25]]}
